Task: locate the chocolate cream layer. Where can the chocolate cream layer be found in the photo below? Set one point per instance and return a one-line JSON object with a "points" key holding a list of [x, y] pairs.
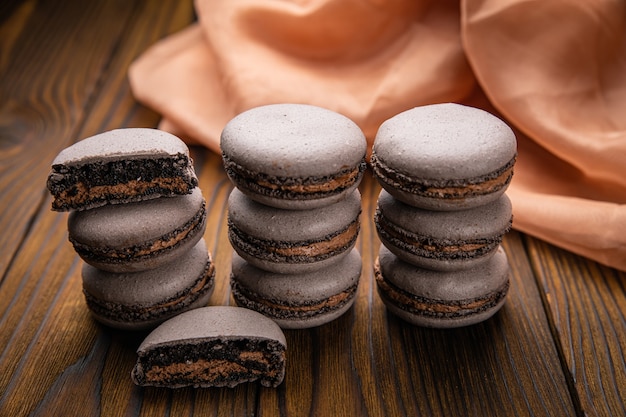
{"points": [[444, 188], [293, 188]]}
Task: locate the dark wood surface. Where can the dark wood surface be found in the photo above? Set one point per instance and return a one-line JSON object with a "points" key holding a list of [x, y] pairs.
{"points": [[555, 349]]}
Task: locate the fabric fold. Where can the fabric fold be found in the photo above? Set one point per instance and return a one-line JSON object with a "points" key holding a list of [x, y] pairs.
{"points": [[555, 71]]}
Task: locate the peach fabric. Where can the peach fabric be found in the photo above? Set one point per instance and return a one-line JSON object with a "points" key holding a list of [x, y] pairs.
{"points": [[554, 70]]}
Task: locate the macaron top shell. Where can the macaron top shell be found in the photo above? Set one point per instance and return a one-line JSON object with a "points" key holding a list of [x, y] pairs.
{"points": [[205, 323], [147, 287], [293, 140], [129, 143], [299, 288], [445, 286], [123, 225], [445, 141], [291, 225], [484, 221]]}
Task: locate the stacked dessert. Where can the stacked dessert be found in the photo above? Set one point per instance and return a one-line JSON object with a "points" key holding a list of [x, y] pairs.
{"points": [[442, 214], [294, 216], [137, 219]]}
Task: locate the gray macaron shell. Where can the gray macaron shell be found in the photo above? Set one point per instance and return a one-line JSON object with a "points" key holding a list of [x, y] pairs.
{"points": [[124, 225], [128, 143], [467, 284], [293, 140], [490, 222], [148, 288], [291, 226], [294, 144], [222, 322], [445, 141], [301, 289]]}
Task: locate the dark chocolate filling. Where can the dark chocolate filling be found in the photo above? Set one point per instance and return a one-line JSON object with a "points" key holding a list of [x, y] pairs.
{"points": [[287, 310], [142, 251], [293, 188], [140, 313], [214, 362], [444, 188], [436, 308], [274, 251], [71, 184], [429, 247]]}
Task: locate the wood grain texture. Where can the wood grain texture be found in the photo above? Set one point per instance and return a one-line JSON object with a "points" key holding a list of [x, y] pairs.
{"points": [[587, 306], [555, 349]]}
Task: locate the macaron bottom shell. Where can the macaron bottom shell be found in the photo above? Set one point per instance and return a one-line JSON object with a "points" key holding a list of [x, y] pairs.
{"points": [[442, 321], [299, 317], [297, 301], [150, 323], [442, 299], [142, 300]]}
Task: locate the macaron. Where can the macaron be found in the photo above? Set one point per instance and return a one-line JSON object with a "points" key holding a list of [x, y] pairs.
{"points": [[138, 236], [444, 156], [442, 240], [142, 300], [217, 346], [292, 241], [293, 156], [297, 301], [442, 299], [120, 166]]}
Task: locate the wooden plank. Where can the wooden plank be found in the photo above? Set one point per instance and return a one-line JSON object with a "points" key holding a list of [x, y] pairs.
{"points": [[50, 346], [587, 307], [51, 61]]}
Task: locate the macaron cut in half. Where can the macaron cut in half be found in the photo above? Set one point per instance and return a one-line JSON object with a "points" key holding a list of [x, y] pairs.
{"points": [[216, 346], [120, 166], [444, 156], [293, 156], [442, 240], [138, 236], [442, 299], [298, 301], [142, 300], [292, 241]]}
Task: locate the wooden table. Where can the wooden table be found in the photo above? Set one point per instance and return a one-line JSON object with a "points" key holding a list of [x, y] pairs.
{"points": [[555, 349]]}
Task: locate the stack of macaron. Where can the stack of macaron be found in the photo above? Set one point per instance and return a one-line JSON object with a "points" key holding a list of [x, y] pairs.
{"points": [[442, 214], [137, 218], [294, 214]]}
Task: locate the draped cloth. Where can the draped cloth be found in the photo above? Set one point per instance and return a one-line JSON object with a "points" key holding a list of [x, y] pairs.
{"points": [[555, 71]]}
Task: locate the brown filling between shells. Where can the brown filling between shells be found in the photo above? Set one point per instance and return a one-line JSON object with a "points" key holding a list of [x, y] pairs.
{"points": [[287, 187], [449, 189], [429, 247], [286, 310], [340, 181], [295, 251], [209, 370], [81, 194]]}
